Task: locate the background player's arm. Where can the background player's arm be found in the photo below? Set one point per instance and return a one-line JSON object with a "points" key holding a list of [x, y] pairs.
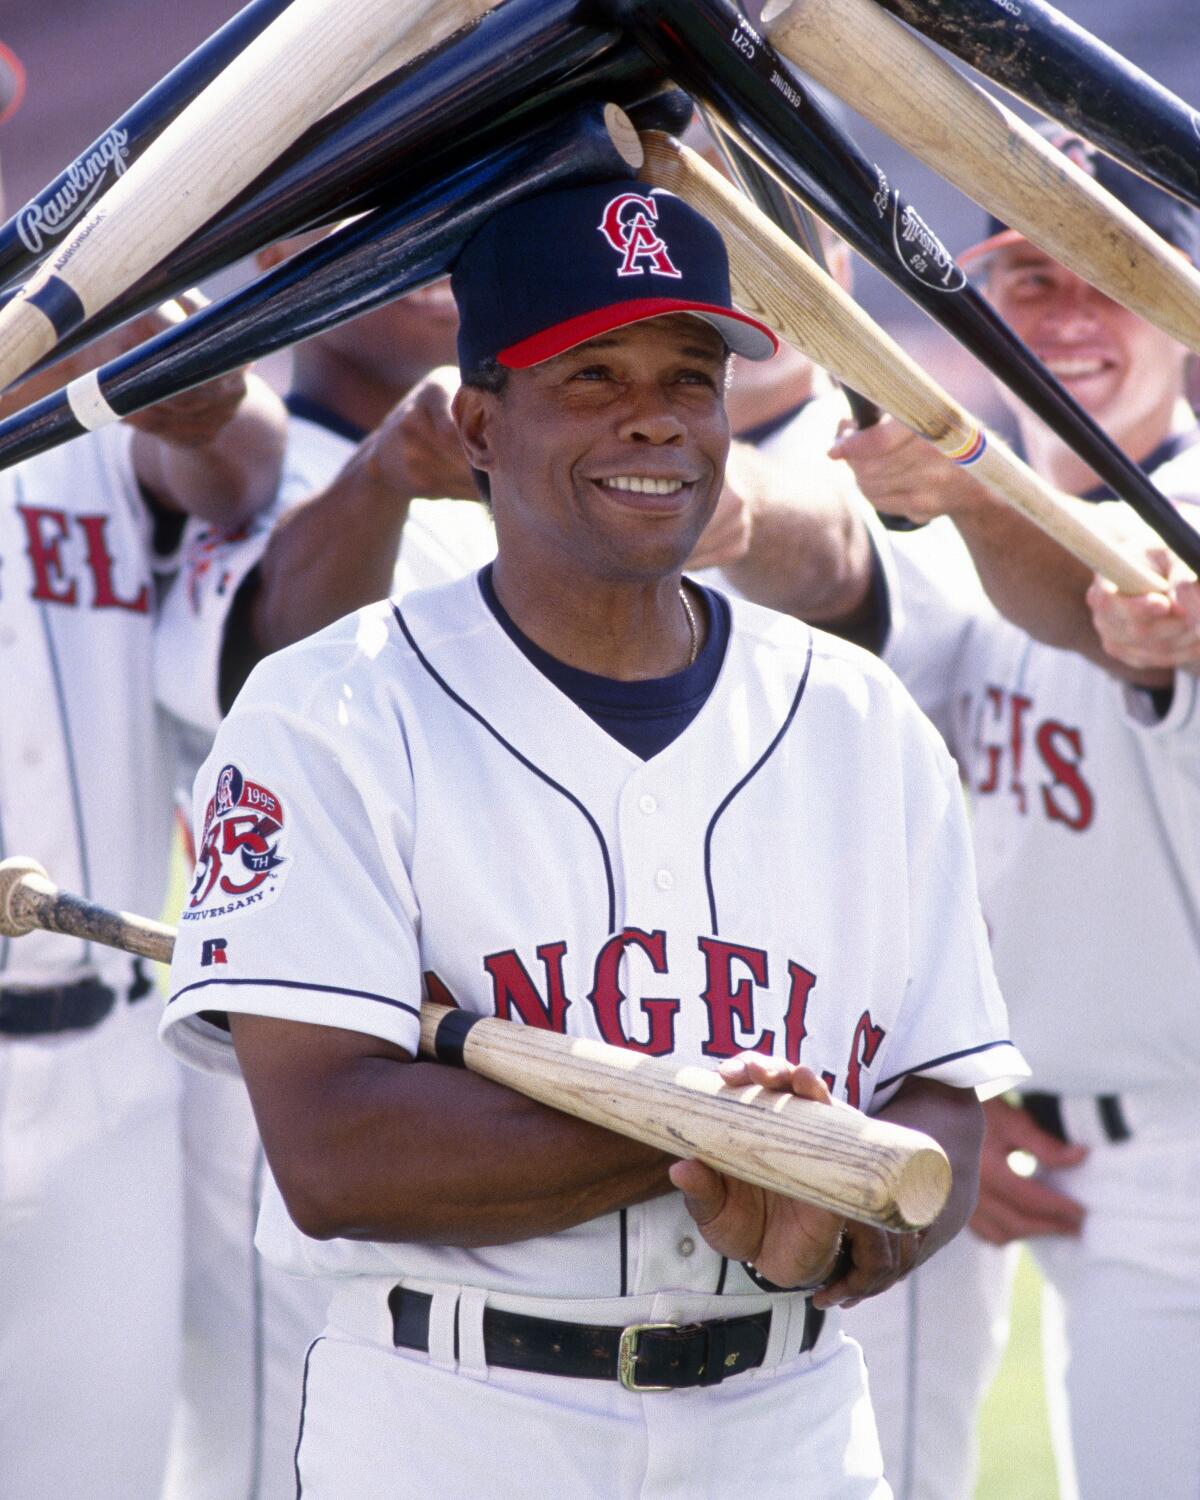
{"points": [[367, 1144], [1028, 576], [793, 541], [215, 452], [335, 552]]}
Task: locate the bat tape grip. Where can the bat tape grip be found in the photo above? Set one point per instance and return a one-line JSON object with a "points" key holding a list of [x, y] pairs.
{"points": [[450, 1039], [89, 403]]}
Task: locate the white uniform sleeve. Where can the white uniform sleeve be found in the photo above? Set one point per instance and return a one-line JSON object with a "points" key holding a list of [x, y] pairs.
{"points": [[191, 629], [301, 906], [952, 1025]]}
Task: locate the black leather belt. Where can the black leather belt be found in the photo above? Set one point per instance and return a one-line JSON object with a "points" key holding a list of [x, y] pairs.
{"points": [[1046, 1110], [63, 1007], [642, 1356]]}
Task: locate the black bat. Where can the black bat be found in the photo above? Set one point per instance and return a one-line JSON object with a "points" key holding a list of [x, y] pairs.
{"points": [[1043, 57], [528, 58], [32, 231], [709, 48], [356, 269]]}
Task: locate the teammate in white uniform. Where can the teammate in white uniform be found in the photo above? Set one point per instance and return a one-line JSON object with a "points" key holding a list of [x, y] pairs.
{"points": [[90, 1223], [385, 812], [1085, 789], [349, 499]]}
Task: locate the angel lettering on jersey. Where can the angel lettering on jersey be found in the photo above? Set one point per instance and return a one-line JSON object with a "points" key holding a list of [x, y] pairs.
{"points": [[47, 531]]}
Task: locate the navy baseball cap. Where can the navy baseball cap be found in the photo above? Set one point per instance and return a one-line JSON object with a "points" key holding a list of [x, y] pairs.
{"points": [[1175, 221], [563, 267]]}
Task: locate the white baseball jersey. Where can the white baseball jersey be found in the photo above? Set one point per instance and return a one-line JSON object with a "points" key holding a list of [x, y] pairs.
{"points": [[1085, 809], [84, 775], [90, 1254], [442, 539], [404, 804]]}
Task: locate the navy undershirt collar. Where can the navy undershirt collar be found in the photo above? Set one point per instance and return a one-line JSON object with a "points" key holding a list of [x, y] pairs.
{"points": [[1171, 448], [643, 716], [323, 416], [759, 434]]}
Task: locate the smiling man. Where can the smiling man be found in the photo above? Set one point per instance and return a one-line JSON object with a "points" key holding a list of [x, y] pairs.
{"points": [[580, 792]]}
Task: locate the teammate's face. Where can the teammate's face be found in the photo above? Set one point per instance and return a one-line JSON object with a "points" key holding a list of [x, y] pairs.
{"points": [[610, 457], [1122, 370]]}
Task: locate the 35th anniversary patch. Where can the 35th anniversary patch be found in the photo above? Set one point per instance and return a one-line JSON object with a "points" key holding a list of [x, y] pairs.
{"points": [[239, 864]]}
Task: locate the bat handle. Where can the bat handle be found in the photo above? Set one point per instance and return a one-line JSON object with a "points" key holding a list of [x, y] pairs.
{"points": [[29, 899]]}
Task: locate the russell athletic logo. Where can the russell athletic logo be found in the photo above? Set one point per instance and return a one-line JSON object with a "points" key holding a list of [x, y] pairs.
{"points": [[629, 224], [238, 864]]}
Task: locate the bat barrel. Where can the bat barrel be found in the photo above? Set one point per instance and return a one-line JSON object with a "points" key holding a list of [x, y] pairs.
{"points": [[355, 269], [29, 899]]}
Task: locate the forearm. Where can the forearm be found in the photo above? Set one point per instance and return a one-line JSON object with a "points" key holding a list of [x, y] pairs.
{"points": [[384, 1149], [229, 477], [1039, 586], [329, 556], [811, 560]]}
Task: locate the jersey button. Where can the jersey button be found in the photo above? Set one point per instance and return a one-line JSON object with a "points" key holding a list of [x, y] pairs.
{"points": [[8, 636], [687, 1246], [664, 880], [647, 804]]}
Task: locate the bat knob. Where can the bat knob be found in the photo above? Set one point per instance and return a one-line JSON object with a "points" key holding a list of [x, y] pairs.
{"points": [[12, 872]]}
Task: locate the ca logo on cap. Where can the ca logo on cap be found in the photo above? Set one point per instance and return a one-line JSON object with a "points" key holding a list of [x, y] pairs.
{"points": [[628, 224]]}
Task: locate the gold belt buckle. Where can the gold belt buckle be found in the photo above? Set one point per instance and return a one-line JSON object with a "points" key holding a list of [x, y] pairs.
{"points": [[627, 1355]]}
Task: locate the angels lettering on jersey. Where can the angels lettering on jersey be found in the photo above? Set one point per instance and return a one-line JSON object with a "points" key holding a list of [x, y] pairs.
{"points": [[238, 863], [734, 998], [1029, 756]]}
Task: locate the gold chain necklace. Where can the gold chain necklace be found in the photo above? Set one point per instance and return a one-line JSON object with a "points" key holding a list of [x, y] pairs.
{"points": [[693, 632]]}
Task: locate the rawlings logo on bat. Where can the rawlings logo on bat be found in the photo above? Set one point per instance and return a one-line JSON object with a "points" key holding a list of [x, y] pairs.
{"points": [[39, 222], [238, 863]]}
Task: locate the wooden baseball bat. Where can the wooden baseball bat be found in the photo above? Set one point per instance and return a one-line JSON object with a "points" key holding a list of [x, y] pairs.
{"points": [[709, 48], [1043, 57], [213, 149], [834, 1157], [358, 267], [896, 80], [781, 285]]}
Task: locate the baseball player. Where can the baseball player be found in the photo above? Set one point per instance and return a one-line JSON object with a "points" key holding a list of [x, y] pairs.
{"points": [[536, 789], [90, 1224], [1084, 775]]}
